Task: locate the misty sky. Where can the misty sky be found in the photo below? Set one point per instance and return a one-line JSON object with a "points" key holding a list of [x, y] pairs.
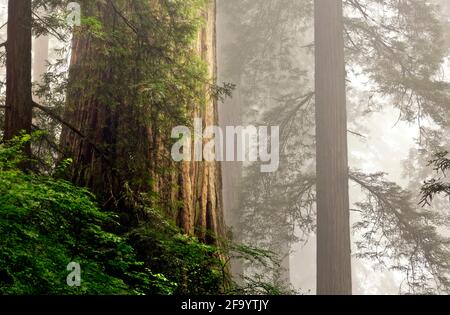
{"points": [[384, 147]]}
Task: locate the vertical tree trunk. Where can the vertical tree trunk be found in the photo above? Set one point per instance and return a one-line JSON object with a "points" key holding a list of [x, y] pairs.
{"points": [[18, 114], [202, 213], [198, 184], [86, 111], [333, 226]]}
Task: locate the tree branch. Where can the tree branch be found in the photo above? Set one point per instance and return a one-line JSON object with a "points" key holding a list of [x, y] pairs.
{"points": [[125, 20], [50, 29], [55, 116], [356, 134], [49, 112], [52, 144]]}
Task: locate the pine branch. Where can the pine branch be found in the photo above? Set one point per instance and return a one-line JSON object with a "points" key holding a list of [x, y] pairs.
{"points": [[50, 28]]}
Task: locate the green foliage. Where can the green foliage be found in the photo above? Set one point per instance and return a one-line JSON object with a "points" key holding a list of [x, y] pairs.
{"points": [[189, 266], [151, 78], [199, 263], [46, 224], [265, 276], [193, 267], [11, 154], [258, 284]]}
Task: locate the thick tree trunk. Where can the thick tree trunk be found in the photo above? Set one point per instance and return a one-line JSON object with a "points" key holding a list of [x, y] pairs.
{"points": [[93, 155], [333, 230], [18, 114], [101, 160], [202, 213]]}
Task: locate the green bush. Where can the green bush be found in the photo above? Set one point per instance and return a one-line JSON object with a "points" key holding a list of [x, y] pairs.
{"points": [[191, 266], [46, 223]]}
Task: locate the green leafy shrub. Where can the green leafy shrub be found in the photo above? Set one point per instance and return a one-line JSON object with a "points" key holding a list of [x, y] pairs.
{"points": [[191, 266], [47, 223]]}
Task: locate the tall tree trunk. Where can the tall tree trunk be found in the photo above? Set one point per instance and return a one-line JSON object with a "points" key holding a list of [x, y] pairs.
{"points": [[18, 114], [92, 155], [101, 159], [202, 213], [230, 114], [333, 226]]}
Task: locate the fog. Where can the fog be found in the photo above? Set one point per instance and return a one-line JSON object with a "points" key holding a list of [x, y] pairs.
{"points": [[266, 48]]}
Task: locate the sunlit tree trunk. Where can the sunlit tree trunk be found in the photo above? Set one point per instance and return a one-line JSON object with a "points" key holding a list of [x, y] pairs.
{"points": [[333, 230], [100, 158], [18, 114], [202, 213]]}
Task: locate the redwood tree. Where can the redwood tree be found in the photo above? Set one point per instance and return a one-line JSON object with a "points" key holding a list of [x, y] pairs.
{"points": [[333, 227], [18, 112], [125, 97]]}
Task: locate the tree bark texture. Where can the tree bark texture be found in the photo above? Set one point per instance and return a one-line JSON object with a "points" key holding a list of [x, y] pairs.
{"points": [[202, 213], [191, 192], [18, 114], [333, 227]]}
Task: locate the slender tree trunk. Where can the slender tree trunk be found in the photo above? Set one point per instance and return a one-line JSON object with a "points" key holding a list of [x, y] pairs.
{"points": [[333, 226], [18, 114]]}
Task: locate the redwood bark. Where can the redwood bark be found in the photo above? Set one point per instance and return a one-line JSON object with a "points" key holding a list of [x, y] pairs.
{"points": [[333, 226], [197, 184], [202, 212], [18, 114], [101, 158]]}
